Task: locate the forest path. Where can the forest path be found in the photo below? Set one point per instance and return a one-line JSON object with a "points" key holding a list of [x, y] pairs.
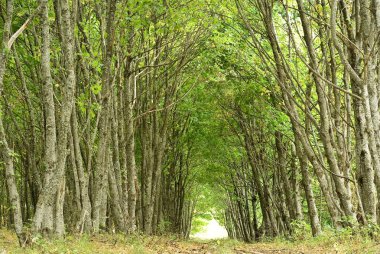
{"points": [[225, 247], [212, 247], [107, 244]]}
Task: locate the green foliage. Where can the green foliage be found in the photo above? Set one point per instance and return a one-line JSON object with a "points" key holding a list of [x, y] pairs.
{"points": [[96, 88], [199, 222], [163, 226], [301, 230]]}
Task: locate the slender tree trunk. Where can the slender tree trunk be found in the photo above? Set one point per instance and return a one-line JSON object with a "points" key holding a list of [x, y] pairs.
{"points": [[130, 154], [115, 200], [84, 223], [5, 150], [325, 128], [49, 215], [104, 126], [311, 204], [43, 219]]}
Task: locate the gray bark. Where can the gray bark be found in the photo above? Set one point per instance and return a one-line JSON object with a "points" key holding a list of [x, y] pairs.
{"points": [[52, 194]]}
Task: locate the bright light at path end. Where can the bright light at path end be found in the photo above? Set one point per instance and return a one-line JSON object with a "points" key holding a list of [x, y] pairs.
{"points": [[213, 230]]}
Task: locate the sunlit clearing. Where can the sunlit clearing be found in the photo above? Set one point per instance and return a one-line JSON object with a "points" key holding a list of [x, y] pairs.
{"points": [[213, 230]]}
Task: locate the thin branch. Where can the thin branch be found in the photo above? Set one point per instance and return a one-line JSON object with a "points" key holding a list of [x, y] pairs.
{"points": [[23, 27]]}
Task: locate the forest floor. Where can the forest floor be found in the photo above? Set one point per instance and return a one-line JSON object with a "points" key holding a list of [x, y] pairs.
{"points": [[170, 245]]}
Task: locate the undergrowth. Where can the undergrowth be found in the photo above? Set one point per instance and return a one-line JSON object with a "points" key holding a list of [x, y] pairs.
{"points": [[354, 239]]}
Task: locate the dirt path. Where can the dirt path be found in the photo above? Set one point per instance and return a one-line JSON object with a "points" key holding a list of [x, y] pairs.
{"points": [[216, 247], [231, 247]]}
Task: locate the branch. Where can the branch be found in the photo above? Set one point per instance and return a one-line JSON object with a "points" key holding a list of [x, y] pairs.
{"points": [[348, 66], [22, 28]]}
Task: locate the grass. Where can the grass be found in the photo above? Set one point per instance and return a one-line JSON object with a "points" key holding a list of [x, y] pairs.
{"points": [[73, 244], [346, 241]]}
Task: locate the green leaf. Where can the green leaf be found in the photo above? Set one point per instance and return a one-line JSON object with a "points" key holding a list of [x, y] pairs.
{"points": [[96, 89]]}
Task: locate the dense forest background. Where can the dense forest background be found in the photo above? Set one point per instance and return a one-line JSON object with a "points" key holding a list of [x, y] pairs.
{"points": [[142, 116]]}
